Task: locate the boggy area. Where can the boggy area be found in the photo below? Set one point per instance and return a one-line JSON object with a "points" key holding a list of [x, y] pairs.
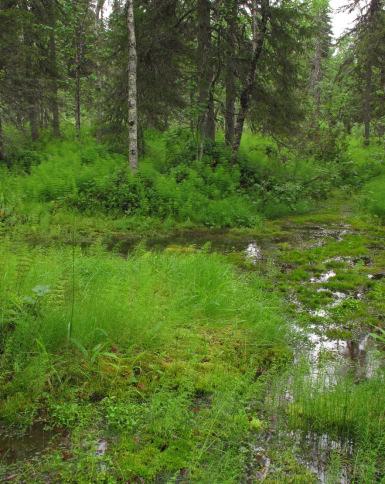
{"points": [[321, 417], [326, 413]]}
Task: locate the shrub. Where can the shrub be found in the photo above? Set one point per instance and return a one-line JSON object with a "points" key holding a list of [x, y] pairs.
{"points": [[373, 199]]}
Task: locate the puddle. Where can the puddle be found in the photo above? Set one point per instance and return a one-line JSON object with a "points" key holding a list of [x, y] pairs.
{"points": [[377, 277], [101, 448], [328, 360], [253, 252], [28, 446], [319, 313], [225, 241], [317, 452], [217, 240], [323, 277], [359, 356]]}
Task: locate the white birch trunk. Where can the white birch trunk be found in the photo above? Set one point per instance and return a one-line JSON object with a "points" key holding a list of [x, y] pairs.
{"points": [[132, 90]]}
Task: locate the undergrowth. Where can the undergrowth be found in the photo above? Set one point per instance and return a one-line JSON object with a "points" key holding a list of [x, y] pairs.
{"points": [[172, 186], [164, 355]]}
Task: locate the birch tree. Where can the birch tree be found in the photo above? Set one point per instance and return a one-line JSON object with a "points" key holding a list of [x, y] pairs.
{"points": [[132, 89]]}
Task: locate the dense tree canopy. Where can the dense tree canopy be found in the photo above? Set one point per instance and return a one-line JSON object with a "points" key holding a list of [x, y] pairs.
{"points": [[212, 66]]}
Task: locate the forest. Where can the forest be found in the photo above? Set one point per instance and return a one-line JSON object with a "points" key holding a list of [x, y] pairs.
{"points": [[192, 241]]}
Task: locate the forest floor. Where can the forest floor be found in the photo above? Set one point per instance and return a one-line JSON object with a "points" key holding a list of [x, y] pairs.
{"points": [[314, 406]]}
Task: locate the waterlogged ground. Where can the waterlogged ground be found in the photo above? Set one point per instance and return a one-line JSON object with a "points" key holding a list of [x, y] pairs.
{"points": [[331, 273], [330, 270]]}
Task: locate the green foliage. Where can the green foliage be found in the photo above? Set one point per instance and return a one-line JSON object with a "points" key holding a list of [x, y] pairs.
{"points": [[173, 184], [374, 197], [165, 352], [327, 143], [284, 182]]}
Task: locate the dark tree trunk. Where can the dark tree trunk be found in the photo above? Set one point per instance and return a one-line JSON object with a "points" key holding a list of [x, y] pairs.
{"points": [[33, 121], [367, 107], [230, 70], [31, 87], [375, 7], [99, 74], [77, 87], [206, 116], [99, 10], [210, 121], [381, 127], [79, 47], [53, 71], [259, 33], [141, 141], [316, 77], [2, 153]]}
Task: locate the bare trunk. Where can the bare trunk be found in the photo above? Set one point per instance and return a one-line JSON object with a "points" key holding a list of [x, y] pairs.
{"points": [[53, 73], [79, 47], [210, 119], [2, 154], [33, 121], [258, 41], [99, 78], [374, 9], [230, 86], [77, 90], [31, 93], [132, 89], [367, 108], [206, 117], [99, 10], [381, 128], [315, 80]]}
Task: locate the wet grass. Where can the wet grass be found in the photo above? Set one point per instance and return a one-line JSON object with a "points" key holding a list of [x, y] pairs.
{"points": [[165, 356], [336, 398], [172, 353], [350, 414]]}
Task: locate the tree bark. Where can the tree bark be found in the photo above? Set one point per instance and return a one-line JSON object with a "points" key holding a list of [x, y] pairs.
{"points": [[79, 48], [230, 70], [33, 120], [53, 70], [99, 10], [99, 73], [31, 88], [132, 89], [2, 154], [367, 107], [316, 77], [77, 85], [259, 34], [381, 127], [369, 25], [206, 115]]}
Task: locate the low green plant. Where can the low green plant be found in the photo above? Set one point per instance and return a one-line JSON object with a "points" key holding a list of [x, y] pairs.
{"points": [[163, 358], [373, 199]]}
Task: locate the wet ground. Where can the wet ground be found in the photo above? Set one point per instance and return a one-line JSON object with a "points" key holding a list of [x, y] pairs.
{"points": [[31, 444], [326, 273]]}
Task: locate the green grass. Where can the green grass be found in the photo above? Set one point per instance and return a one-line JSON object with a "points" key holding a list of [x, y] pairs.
{"points": [[348, 411], [349, 408], [169, 356], [374, 197], [163, 359], [364, 156]]}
